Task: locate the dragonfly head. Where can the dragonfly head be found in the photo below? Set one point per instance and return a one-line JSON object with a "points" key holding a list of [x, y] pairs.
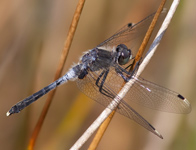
{"points": [[123, 54]]}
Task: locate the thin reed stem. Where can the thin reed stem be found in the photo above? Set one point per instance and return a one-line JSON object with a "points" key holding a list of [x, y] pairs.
{"points": [[63, 57]]}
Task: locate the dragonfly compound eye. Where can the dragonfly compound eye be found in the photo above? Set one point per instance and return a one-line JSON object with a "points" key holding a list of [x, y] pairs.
{"points": [[124, 54]]}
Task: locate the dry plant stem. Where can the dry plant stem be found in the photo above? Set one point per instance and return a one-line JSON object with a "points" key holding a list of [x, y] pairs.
{"points": [[105, 124], [159, 35], [67, 45], [101, 131], [149, 32], [127, 86]]}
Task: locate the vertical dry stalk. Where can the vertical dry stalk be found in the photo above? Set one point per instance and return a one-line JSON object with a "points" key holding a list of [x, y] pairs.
{"points": [[64, 54], [105, 124]]}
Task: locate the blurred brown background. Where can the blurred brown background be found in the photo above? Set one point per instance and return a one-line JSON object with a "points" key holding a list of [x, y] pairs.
{"points": [[32, 35]]}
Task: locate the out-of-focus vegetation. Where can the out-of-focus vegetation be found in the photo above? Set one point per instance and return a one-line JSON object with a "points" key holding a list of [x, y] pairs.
{"points": [[32, 34]]}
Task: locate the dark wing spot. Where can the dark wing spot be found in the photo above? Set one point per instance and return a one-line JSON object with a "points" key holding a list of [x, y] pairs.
{"points": [[129, 24], [181, 97]]}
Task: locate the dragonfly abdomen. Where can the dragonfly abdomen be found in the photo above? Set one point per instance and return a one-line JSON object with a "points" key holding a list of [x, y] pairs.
{"points": [[27, 101]]}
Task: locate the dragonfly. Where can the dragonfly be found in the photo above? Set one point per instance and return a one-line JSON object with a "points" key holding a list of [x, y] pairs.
{"points": [[102, 71]]}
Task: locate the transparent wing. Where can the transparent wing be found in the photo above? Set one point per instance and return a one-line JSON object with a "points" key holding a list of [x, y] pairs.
{"points": [[157, 97], [130, 35], [88, 86], [142, 92]]}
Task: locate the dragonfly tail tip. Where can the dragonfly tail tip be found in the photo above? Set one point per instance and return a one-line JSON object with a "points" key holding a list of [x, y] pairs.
{"points": [[8, 114]]}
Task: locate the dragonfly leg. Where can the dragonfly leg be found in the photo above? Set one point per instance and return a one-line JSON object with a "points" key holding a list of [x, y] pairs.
{"points": [[120, 71], [102, 89], [103, 80], [97, 81]]}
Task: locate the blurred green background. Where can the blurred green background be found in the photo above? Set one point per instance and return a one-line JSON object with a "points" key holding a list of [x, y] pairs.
{"points": [[32, 35]]}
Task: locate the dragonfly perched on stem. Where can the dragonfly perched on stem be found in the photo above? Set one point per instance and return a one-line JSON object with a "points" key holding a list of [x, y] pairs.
{"points": [[103, 70]]}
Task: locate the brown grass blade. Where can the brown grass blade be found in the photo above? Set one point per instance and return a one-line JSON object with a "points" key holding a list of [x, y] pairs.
{"points": [[64, 54]]}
